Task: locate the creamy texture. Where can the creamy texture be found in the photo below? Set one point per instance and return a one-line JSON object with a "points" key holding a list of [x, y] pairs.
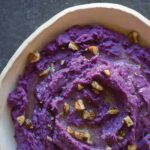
{"points": [[124, 87]]}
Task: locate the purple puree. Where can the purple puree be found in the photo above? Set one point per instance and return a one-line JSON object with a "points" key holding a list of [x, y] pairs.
{"points": [[40, 99]]}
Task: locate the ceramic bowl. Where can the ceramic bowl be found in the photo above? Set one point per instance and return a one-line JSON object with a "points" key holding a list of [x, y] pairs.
{"points": [[114, 16]]}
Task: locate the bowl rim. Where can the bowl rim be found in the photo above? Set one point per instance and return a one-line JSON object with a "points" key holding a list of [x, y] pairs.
{"points": [[58, 16], [53, 19]]}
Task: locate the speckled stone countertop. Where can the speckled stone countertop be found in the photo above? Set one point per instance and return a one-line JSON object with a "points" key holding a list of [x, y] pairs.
{"points": [[19, 18]]}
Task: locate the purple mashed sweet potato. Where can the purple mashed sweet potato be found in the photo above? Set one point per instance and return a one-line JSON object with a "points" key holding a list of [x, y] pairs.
{"points": [[89, 89]]}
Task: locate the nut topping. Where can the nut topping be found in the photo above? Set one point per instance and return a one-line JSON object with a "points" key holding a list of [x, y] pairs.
{"points": [[97, 86], [49, 126], [128, 121], [62, 62], [21, 119], [113, 111], [108, 148], [73, 46], [34, 57], [52, 118], [46, 71], [87, 137], [70, 130], [49, 138], [89, 115], [134, 36], [135, 73], [29, 123], [52, 67], [66, 108], [132, 147], [107, 73], [121, 135], [93, 49], [80, 135], [96, 91], [83, 136], [80, 87], [79, 105]]}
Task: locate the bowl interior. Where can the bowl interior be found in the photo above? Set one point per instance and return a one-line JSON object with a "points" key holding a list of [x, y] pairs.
{"points": [[111, 16]]}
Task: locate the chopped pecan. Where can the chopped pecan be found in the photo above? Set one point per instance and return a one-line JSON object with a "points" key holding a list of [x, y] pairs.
{"points": [[80, 87], [62, 62], [34, 57], [108, 148], [46, 71], [87, 137], [79, 105], [133, 36], [107, 72], [89, 115], [135, 73], [70, 130], [49, 138], [28, 123], [79, 135], [97, 86], [66, 108], [73, 46], [128, 121], [83, 136], [113, 111], [21, 119], [93, 49], [49, 126], [96, 91], [121, 135], [132, 147]]}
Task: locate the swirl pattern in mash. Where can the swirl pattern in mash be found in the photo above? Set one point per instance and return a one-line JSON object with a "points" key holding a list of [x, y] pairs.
{"points": [[86, 90]]}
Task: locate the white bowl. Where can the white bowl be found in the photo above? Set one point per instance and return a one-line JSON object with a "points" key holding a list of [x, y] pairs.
{"points": [[114, 16]]}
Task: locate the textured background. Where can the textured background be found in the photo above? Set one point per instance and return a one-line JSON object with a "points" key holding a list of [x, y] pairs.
{"points": [[19, 18]]}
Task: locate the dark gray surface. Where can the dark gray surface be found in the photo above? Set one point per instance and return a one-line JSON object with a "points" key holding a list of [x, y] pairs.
{"points": [[19, 18]]}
